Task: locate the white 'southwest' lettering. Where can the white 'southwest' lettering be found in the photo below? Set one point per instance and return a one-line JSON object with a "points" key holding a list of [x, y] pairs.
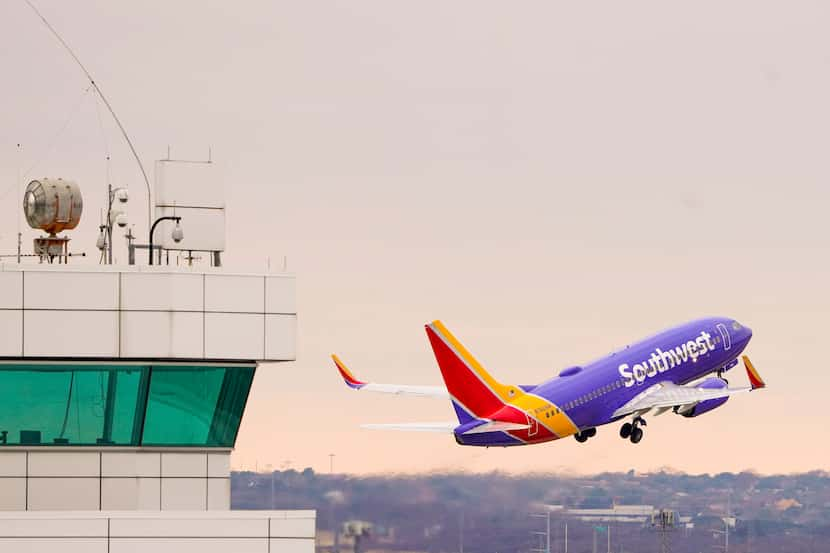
{"points": [[661, 361]]}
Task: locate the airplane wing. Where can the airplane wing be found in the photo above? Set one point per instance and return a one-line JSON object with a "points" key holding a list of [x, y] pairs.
{"points": [[665, 395], [399, 389]]}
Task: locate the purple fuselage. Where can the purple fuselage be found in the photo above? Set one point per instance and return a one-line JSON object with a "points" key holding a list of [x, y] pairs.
{"points": [[590, 395]]}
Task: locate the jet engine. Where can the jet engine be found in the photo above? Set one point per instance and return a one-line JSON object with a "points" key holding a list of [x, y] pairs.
{"points": [[713, 383]]}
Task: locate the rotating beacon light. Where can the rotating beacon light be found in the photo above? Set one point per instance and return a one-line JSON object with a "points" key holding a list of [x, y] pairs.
{"points": [[52, 205]]}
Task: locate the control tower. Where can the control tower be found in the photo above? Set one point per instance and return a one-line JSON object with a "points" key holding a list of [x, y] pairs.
{"points": [[122, 389]]}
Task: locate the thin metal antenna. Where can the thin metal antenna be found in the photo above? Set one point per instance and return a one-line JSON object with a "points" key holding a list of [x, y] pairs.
{"points": [[106, 103], [19, 186], [461, 532]]}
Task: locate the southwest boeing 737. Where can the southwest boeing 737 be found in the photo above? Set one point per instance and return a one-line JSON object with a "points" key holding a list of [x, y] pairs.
{"points": [[679, 370]]}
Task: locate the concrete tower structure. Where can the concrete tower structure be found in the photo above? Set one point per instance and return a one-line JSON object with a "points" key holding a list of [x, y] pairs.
{"points": [[122, 389]]}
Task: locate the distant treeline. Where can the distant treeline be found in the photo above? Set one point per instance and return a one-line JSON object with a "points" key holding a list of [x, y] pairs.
{"points": [[491, 512]]}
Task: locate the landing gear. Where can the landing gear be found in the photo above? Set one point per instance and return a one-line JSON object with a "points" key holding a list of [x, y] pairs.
{"points": [[632, 431], [583, 436], [720, 375], [636, 435]]}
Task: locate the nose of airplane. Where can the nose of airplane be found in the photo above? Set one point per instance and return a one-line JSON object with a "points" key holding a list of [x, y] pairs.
{"points": [[745, 334]]}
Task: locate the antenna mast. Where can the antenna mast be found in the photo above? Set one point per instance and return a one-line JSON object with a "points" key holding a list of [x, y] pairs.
{"points": [[104, 99]]}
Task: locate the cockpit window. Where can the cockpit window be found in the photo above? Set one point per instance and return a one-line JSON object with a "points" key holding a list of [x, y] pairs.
{"points": [[736, 325]]}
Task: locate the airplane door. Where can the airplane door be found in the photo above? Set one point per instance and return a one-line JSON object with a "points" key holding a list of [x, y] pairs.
{"points": [[724, 333], [534, 425]]}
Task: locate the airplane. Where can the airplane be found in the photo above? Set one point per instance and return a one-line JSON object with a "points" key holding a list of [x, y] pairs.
{"points": [[680, 369]]}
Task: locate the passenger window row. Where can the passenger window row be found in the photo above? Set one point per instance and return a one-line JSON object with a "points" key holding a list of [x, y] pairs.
{"points": [[594, 394]]}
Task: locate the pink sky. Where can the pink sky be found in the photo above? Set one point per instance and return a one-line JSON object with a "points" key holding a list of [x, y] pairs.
{"points": [[552, 180]]}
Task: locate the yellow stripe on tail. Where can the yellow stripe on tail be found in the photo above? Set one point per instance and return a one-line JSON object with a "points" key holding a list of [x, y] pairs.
{"points": [[505, 392]]}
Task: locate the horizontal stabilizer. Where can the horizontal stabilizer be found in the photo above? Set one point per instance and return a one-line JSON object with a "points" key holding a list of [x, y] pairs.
{"points": [[443, 427], [497, 426]]}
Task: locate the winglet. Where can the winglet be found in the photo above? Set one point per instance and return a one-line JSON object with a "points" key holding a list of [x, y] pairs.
{"points": [[347, 375], [754, 378]]}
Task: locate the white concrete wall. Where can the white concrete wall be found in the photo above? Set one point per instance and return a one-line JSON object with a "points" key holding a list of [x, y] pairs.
{"points": [[113, 532], [60, 480], [194, 191], [145, 312]]}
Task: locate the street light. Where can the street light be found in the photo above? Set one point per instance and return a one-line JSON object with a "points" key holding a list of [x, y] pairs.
{"points": [[177, 234]]}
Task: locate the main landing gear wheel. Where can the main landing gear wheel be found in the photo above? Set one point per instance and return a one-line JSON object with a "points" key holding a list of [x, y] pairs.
{"points": [[636, 435], [583, 436], [632, 431]]}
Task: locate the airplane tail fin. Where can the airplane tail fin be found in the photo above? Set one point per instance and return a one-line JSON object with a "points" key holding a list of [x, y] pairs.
{"points": [[474, 392]]}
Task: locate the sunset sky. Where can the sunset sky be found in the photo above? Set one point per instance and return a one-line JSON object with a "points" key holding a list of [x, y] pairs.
{"points": [[551, 179]]}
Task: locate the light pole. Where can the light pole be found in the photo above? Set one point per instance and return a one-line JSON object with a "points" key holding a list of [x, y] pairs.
{"points": [[270, 468], [178, 234], [728, 521], [461, 532], [115, 216]]}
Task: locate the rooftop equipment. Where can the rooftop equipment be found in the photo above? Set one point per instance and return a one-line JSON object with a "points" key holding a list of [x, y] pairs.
{"points": [[52, 205]]}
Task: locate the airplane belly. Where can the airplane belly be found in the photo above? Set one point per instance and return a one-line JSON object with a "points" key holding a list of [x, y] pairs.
{"points": [[488, 439]]}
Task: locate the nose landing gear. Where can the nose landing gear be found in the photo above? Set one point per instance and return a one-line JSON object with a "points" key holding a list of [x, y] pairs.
{"points": [[632, 431]]}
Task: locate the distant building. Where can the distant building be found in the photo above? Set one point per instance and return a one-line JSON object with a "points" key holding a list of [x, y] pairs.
{"points": [[631, 514]]}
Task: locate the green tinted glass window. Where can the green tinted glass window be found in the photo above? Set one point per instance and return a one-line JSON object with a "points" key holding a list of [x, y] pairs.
{"points": [[100, 405], [70, 404], [195, 406]]}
